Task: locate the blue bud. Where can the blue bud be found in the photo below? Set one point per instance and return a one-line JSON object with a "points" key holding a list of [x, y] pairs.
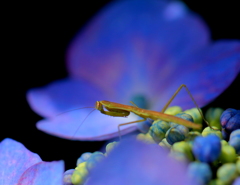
{"points": [[185, 116], [235, 133], [84, 157], [230, 120], [235, 140], [67, 177], [158, 130], [201, 172], [176, 134], [144, 126], [207, 149], [182, 115], [94, 159]]}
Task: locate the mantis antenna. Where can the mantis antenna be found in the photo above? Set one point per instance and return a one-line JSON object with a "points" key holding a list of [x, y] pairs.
{"points": [[73, 110], [82, 122]]}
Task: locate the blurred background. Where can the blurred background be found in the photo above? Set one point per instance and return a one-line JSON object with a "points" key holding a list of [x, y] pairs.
{"points": [[35, 37]]}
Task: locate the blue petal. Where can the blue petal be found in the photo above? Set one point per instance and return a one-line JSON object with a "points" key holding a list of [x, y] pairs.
{"points": [[134, 162], [64, 95], [131, 43], [207, 73], [95, 127], [14, 160], [68, 94], [47, 173]]}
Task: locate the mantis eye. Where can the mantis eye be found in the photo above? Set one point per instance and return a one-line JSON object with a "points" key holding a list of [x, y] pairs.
{"points": [[97, 104]]}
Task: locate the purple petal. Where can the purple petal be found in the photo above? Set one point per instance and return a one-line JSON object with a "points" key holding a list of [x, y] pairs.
{"points": [[207, 73], [130, 43], [96, 126], [47, 173], [67, 94], [14, 160], [64, 95], [134, 162]]}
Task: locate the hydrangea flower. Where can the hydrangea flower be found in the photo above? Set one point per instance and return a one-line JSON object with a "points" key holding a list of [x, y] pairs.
{"points": [[20, 166], [135, 162], [140, 50]]}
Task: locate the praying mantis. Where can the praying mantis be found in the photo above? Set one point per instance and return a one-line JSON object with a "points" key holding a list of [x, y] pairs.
{"points": [[120, 110]]}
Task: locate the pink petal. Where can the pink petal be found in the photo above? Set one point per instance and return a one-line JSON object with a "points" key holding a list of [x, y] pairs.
{"points": [[43, 173], [14, 160]]}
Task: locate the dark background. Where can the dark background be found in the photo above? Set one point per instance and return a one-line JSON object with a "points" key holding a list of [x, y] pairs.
{"points": [[35, 37]]}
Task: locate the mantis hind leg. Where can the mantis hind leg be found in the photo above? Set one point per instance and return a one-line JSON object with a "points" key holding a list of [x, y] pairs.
{"points": [[195, 103], [119, 131]]}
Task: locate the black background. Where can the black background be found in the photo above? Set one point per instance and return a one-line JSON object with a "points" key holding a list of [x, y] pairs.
{"points": [[35, 37]]}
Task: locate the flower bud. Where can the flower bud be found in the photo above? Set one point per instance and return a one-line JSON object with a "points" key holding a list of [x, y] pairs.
{"points": [[176, 134], [173, 110], [158, 130], [227, 173], [207, 149], [185, 148], [208, 131], [228, 154], [213, 117], [230, 120], [201, 172], [235, 140]]}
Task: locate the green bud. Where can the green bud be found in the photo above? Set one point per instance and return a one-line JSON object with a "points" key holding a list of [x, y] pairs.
{"points": [[213, 117], [238, 166], [191, 136], [179, 156], [111, 146], [173, 110], [185, 148], [224, 142], [82, 168], [197, 118], [216, 182], [147, 138], [164, 143], [208, 131], [227, 173], [94, 159], [140, 136], [228, 154], [78, 177]]}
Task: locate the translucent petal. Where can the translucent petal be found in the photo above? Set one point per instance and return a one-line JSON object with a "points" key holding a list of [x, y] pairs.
{"points": [[14, 160], [64, 95], [47, 173], [134, 162], [207, 73], [130, 43], [68, 94], [95, 127]]}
